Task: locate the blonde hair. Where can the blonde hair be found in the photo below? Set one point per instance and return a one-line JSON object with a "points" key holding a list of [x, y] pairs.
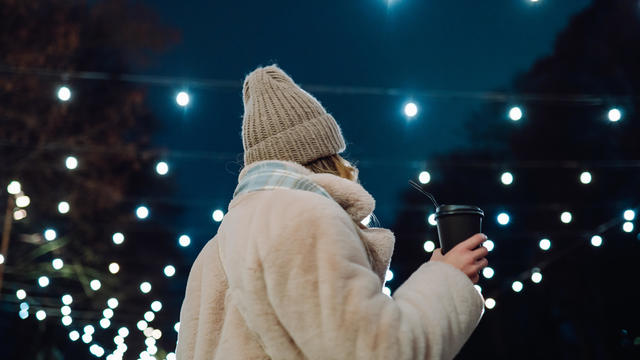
{"points": [[334, 164]]}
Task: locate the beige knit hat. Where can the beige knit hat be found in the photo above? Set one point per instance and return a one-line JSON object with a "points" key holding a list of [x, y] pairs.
{"points": [[283, 122]]}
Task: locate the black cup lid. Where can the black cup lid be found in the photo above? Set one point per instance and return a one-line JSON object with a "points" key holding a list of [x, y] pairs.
{"points": [[443, 210]]}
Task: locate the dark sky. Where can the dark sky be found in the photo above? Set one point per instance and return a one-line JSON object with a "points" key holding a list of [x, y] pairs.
{"points": [[406, 44]]}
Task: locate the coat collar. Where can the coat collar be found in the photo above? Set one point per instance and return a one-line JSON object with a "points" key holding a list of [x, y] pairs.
{"points": [[351, 196]]}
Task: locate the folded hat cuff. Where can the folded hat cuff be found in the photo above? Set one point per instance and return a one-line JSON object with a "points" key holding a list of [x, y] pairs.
{"points": [[302, 143]]}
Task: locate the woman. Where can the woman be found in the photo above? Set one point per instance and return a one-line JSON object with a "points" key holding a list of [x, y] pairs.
{"points": [[293, 274]]}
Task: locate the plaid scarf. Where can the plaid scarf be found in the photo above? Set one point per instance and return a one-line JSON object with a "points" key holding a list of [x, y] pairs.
{"points": [[273, 174]]}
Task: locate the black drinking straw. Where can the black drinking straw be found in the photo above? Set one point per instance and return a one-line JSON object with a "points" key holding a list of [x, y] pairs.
{"points": [[419, 188]]}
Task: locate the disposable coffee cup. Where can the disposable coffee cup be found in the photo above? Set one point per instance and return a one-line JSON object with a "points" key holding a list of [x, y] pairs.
{"points": [[456, 223]]}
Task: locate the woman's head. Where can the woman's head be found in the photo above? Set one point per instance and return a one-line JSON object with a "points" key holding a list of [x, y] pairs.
{"points": [[283, 122], [334, 164]]}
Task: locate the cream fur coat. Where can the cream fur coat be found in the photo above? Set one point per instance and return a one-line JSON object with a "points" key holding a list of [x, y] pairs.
{"points": [[294, 275]]}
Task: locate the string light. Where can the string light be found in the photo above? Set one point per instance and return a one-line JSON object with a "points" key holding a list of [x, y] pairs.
{"points": [[424, 177], [506, 178], [67, 299], [112, 303], [411, 109], [614, 115], [478, 288], [429, 246], [14, 187], [182, 98], [149, 316], [487, 272], [142, 325], [169, 270], [64, 93], [74, 335], [156, 334], [517, 286], [176, 327], [145, 287], [107, 313], [489, 245], [95, 284], [503, 219], [142, 212], [21, 294], [118, 238], [431, 219], [20, 214], [57, 263], [23, 201], [566, 217], [629, 215], [596, 240], [23, 314], [184, 240], [627, 227], [536, 276], [50, 234], [545, 244], [71, 162], [585, 177], [89, 329], [490, 303], [114, 268], [156, 306], [43, 281], [87, 338], [217, 215], [162, 168], [41, 315], [515, 113], [105, 323], [65, 310], [67, 320], [386, 291], [63, 207], [389, 275], [123, 331]]}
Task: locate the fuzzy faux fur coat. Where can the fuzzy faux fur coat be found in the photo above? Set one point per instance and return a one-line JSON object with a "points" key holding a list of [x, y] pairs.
{"points": [[294, 275]]}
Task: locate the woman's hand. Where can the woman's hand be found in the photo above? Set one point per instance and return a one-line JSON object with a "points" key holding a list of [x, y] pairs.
{"points": [[466, 256]]}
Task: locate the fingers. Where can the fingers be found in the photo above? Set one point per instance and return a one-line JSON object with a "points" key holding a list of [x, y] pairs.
{"points": [[475, 278], [480, 252], [481, 264], [474, 241]]}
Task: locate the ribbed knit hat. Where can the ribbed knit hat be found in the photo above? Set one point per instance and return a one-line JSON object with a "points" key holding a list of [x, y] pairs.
{"points": [[283, 122]]}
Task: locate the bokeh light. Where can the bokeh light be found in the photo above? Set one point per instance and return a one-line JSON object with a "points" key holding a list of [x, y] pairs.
{"points": [[614, 115], [503, 219], [182, 98], [506, 178], [515, 113], [517, 286], [585, 177], [545, 244], [64, 93], [596, 240], [71, 162], [566, 217], [424, 177], [411, 109], [429, 246]]}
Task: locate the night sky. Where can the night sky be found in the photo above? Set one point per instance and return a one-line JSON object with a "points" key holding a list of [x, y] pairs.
{"points": [[405, 44]]}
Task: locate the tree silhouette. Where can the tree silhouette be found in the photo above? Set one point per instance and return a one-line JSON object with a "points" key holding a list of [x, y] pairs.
{"points": [[106, 126]]}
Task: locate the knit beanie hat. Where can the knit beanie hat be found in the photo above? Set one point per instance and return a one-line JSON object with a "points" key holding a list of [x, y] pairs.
{"points": [[283, 122]]}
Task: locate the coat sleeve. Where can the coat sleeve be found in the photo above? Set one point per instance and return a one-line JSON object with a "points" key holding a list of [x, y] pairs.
{"points": [[328, 299]]}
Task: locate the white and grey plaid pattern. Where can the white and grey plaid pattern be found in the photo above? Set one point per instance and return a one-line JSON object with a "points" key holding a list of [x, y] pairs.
{"points": [[268, 175]]}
